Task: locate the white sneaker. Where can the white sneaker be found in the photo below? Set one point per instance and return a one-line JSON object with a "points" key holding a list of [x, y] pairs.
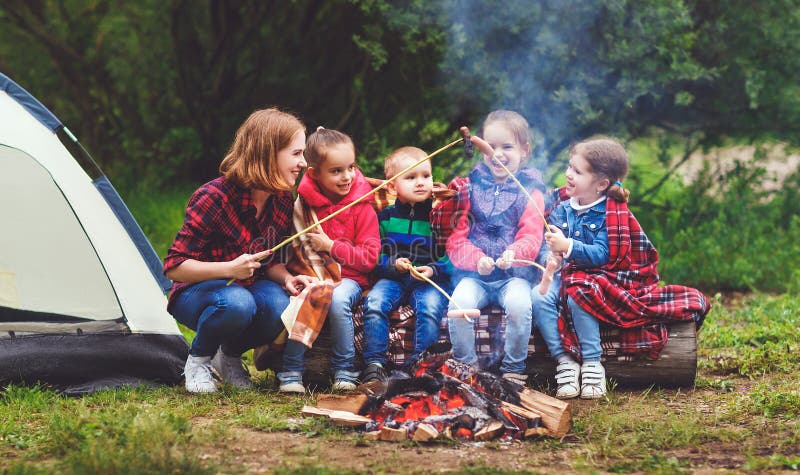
{"points": [[346, 381], [232, 370], [567, 374], [593, 380], [198, 375], [291, 382], [518, 378]]}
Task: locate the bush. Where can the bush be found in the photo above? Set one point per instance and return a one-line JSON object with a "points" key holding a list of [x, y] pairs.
{"points": [[727, 233]]}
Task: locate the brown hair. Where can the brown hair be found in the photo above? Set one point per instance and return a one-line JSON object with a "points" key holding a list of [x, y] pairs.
{"points": [[318, 143], [252, 160], [516, 124], [390, 165], [608, 159]]}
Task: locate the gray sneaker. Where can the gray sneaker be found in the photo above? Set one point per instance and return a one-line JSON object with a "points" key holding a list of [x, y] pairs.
{"points": [[232, 370]]}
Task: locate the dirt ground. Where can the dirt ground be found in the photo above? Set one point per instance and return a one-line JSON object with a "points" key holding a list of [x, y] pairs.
{"points": [[264, 452]]}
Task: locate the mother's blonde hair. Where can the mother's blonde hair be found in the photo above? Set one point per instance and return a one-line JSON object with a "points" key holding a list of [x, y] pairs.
{"points": [[252, 160]]}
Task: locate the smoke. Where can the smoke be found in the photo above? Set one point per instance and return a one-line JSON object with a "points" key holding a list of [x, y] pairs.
{"points": [[530, 57]]}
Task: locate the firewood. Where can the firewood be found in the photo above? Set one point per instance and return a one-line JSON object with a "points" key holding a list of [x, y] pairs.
{"points": [[425, 432], [537, 432], [315, 411], [345, 418], [556, 414], [338, 402], [372, 435], [392, 435], [342, 418], [522, 412], [490, 431]]}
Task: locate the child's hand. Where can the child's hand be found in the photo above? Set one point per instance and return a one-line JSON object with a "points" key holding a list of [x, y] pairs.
{"points": [[485, 265], [296, 283], [244, 266], [402, 264], [556, 240], [426, 271], [320, 241], [505, 260]]}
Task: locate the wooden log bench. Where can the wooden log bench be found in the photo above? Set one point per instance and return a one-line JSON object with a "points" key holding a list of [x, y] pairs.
{"points": [[676, 365]]}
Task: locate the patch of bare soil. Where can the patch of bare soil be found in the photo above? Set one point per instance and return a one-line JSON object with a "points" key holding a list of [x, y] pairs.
{"points": [[262, 452]]}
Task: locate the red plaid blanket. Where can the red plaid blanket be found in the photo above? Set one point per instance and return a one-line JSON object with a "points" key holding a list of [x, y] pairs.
{"points": [[625, 293]]}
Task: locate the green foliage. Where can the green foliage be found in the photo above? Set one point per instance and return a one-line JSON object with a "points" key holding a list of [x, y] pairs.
{"points": [[156, 90], [724, 231]]}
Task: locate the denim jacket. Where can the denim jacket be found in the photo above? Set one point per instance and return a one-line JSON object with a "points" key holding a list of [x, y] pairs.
{"points": [[587, 230]]}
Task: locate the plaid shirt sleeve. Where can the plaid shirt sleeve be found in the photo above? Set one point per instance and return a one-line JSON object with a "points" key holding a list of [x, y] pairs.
{"points": [[202, 212]]}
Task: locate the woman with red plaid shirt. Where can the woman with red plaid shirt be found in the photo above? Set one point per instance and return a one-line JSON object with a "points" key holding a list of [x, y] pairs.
{"points": [[229, 222]]}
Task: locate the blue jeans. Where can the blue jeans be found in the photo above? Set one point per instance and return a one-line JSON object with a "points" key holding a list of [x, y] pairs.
{"points": [[388, 294], [346, 296], [236, 317], [545, 311], [514, 296]]}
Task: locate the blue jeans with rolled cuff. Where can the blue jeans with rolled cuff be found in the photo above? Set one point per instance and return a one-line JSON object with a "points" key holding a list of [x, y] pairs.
{"points": [[514, 296], [234, 317], [346, 296], [386, 295]]}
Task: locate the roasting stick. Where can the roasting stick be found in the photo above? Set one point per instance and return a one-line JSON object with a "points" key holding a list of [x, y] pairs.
{"points": [[459, 311], [264, 254], [529, 263], [548, 274]]}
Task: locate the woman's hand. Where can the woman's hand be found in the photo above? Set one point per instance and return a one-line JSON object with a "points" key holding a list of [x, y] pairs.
{"points": [[426, 271], [320, 241], [485, 265], [556, 240], [244, 266], [506, 259], [295, 284], [402, 264]]}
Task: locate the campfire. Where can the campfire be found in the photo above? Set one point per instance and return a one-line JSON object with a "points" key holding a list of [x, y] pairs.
{"points": [[444, 398]]}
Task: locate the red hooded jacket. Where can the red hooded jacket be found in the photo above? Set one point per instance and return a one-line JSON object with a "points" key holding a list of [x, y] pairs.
{"points": [[355, 235]]}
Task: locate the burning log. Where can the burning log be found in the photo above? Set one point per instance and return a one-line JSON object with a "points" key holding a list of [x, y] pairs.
{"points": [[444, 397], [555, 414]]}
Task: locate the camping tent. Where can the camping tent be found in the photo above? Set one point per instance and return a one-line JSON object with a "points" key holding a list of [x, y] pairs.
{"points": [[82, 301]]}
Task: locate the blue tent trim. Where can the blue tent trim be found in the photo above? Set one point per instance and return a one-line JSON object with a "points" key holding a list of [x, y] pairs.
{"points": [[30, 103], [104, 186]]}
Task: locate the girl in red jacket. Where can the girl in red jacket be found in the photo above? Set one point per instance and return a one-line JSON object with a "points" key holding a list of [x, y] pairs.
{"points": [[331, 182]]}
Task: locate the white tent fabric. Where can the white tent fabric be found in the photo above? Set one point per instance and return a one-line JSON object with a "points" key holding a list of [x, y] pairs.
{"points": [[142, 301], [64, 251]]}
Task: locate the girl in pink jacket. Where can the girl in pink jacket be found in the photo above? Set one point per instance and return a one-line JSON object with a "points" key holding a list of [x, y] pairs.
{"points": [[331, 182]]}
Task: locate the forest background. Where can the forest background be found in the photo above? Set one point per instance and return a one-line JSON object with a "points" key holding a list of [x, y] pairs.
{"points": [[155, 91]]}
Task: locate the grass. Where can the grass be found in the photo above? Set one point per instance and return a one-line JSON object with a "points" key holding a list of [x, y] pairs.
{"points": [[741, 415]]}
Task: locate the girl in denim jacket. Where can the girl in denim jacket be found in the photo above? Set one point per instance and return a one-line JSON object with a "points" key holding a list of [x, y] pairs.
{"points": [[578, 236]]}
